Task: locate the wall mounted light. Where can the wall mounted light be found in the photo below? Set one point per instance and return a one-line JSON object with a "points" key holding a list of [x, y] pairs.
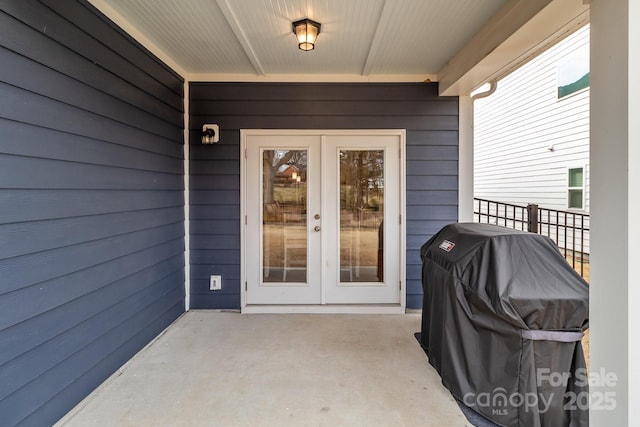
{"points": [[210, 134], [306, 32]]}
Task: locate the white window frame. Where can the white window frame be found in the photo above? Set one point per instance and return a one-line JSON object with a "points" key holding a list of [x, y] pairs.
{"points": [[559, 65], [581, 188]]}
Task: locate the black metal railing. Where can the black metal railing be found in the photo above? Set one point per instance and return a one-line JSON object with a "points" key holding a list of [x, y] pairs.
{"points": [[498, 213], [569, 230]]}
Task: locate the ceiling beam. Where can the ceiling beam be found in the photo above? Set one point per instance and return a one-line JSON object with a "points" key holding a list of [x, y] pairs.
{"points": [[311, 78], [383, 23], [516, 33], [241, 36]]}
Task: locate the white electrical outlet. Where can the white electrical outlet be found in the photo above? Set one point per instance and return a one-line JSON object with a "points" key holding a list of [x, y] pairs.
{"points": [[215, 283]]}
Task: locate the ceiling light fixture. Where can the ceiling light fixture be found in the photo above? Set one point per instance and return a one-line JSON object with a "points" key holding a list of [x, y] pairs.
{"points": [[306, 32]]}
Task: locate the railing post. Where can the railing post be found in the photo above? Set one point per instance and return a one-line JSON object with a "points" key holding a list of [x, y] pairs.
{"points": [[532, 215]]}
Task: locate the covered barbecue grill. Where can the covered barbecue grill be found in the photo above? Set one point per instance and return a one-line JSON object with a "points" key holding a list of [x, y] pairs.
{"points": [[503, 317]]}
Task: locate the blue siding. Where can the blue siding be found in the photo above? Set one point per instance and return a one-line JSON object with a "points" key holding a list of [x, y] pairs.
{"points": [[91, 204], [432, 167]]}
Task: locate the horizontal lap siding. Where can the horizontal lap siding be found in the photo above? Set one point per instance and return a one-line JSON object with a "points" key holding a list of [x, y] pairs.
{"points": [[432, 163], [91, 204], [516, 126]]}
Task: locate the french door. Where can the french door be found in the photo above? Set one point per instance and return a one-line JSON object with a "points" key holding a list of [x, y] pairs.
{"points": [[322, 217]]}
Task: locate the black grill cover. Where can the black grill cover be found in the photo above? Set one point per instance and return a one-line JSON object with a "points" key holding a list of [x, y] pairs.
{"points": [[503, 313]]}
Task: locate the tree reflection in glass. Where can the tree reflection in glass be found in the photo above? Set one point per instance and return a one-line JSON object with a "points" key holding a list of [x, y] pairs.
{"points": [[284, 216], [361, 215]]}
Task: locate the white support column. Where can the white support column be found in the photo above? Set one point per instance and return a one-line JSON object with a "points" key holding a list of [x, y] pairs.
{"points": [[634, 210], [465, 159], [615, 195]]}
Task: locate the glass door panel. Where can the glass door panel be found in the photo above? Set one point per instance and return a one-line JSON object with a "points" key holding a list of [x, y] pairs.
{"points": [[361, 215], [284, 216]]}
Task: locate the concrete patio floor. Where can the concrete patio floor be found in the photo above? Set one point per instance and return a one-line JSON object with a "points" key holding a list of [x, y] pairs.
{"points": [[229, 369]]}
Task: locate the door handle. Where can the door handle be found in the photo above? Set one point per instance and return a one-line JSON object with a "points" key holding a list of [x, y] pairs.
{"points": [[316, 228], [317, 216]]}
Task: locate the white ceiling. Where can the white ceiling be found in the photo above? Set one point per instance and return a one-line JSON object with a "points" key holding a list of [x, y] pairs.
{"points": [[410, 40]]}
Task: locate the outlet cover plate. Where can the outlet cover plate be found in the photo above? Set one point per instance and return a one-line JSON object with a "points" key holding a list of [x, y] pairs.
{"points": [[215, 283]]}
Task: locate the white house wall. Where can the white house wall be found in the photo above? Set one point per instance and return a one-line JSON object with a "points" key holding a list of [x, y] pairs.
{"points": [[514, 128]]}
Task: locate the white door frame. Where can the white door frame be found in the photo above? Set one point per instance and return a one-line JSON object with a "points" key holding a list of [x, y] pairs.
{"points": [[338, 308]]}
